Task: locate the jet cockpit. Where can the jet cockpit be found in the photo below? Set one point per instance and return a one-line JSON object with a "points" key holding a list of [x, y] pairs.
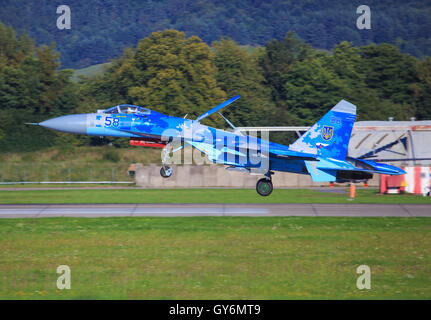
{"points": [[128, 109]]}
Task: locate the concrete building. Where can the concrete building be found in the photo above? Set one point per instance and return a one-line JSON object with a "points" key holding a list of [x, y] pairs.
{"points": [[393, 140]]}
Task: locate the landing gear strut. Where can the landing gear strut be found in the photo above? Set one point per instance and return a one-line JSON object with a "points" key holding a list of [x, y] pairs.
{"points": [[166, 171], [264, 185]]}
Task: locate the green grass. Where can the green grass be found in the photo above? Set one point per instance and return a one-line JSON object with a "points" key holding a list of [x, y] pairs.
{"points": [[68, 185], [215, 258], [201, 196], [102, 163]]}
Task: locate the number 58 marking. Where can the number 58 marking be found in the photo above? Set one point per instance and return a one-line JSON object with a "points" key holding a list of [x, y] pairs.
{"points": [[114, 122]]}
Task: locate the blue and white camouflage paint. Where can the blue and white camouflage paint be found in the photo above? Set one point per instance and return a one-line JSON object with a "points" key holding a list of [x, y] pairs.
{"points": [[321, 152]]}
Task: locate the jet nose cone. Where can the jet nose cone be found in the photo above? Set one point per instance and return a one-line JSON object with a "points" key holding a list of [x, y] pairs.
{"points": [[75, 123]]}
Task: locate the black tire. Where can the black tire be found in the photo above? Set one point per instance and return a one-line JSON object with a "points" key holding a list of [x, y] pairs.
{"points": [[264, 187], [166, 172]]}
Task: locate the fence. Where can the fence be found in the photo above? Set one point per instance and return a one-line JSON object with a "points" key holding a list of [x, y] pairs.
{"points": [[198, 176]]}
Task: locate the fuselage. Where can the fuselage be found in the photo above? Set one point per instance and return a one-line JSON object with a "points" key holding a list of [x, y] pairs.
{"points": [[221, 146]]}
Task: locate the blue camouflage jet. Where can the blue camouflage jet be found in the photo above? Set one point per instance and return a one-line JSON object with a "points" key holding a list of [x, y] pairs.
{"points": [[320, 152]]}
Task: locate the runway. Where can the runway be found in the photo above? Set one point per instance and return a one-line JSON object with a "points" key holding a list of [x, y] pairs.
{"points": [[214, 210]]}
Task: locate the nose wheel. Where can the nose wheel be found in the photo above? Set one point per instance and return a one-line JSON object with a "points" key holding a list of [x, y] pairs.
{"points": [[264, 187], [166, 171]]}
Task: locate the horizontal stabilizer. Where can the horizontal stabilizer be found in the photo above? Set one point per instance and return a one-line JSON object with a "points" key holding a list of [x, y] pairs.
{"points": [[404, 159]]}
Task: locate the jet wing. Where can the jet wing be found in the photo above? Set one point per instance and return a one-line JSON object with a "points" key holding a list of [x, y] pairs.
{"points": [[275, 150], [214, 153], [290, 154], [215, 109]]}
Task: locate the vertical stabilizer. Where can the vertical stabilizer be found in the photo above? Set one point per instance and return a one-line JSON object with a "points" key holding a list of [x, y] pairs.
{"points": [[330, 136]]}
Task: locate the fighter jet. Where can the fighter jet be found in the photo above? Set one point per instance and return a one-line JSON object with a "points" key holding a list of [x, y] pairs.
{"points": [[320, 152]]}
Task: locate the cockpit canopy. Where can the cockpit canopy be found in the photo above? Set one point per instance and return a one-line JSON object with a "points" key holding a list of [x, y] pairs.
{"points": [[128, 108]]}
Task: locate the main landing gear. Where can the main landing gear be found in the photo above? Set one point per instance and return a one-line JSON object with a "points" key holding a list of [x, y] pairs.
{"points": [[264, 185], [166, 171]]}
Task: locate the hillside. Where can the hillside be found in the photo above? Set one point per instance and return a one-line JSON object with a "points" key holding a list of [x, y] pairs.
{"points": [[89, 72], [101, 30]]}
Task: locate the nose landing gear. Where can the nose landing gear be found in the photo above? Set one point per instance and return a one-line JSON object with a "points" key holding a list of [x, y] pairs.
{"points": [[166, 171]]}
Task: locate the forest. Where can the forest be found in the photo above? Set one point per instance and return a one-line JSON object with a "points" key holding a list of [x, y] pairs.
{"points": [[100, 30], [284, 82]]}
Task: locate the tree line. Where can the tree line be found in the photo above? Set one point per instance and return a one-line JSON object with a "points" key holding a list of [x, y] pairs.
{"points": [[101, 29], [285, 82]]}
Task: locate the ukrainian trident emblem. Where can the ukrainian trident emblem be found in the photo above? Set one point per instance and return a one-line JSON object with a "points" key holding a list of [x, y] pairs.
{"points": [[327, 133]]}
